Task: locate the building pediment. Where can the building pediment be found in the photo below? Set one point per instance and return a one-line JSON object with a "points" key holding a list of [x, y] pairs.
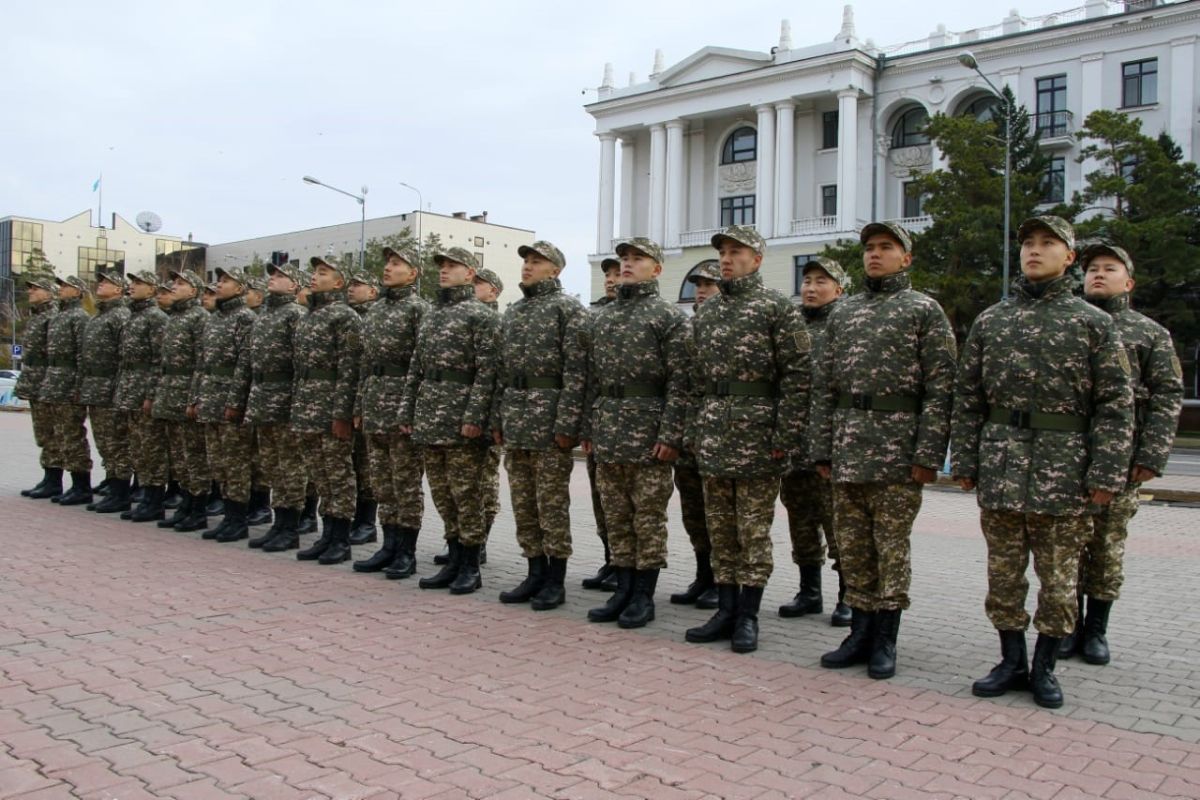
{"points": [[712, 62]]}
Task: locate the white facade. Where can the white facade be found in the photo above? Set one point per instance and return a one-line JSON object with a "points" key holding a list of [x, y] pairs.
{"points": [[661, 142]]}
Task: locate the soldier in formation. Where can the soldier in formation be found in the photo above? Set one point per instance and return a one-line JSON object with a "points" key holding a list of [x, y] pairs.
{"points": [[362, 294], [60, 391], [41, 290]]}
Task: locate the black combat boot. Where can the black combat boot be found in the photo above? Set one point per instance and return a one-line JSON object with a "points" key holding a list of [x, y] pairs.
{"points": [[118, 499], [308, 517], [840, 618], [42, 483], [640, 610], [385, 555], [553, 593], [286, 538], [50, 486], [611, 610], [180, 513], [405, 563], [236, 528], [1073, 641], [339, 548], [1046, 691], [259, 512], [720, 624], [151, 507], [1011, 673], [883, 648], [449, 571], [605, 578], [137, 492], [855, 648], [443, 557], [535, 578], [102, 488], [273, 531], [80, 493], [808, 599], [173, 496], [213, 534], [702, 583], [468, 578], [215, 507], [314, 551], [362, 531], [708, 600], [745, 628], [1095, 630], [196, 519]]}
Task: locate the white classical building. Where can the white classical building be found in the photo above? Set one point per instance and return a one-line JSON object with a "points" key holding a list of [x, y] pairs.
{"points": [[808, 143]]}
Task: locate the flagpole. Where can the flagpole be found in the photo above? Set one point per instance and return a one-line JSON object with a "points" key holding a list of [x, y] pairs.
{"points": [[100, 208]]}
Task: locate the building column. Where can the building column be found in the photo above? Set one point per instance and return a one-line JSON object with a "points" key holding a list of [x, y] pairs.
{"points": [[697, 182], [847, 160], [785, 167], [764, 184], [676, 204], [608, 177], [1183, 94], [658, 179], [628, 161], [1091, 78]]}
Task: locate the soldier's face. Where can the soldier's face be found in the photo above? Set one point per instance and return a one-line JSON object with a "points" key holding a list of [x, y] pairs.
{"points": [[612, 276], [164, 299], [818, 289], [254, 298], [209, 300], [182, 290], [1044, 256], [452, 273], [107, 291], [398, 272], [37, 295], [637, 267], [67, 292], [1106, 276], [302, 295], [140, 291], [883, 255], [536, 269], [485, 292], [279, 283], [360, 293], [227, 287], [706, 289], [737, 260], [326, 279]]}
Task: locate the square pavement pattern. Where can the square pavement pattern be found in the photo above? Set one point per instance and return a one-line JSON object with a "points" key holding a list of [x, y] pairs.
{"points": [[140, 663]]}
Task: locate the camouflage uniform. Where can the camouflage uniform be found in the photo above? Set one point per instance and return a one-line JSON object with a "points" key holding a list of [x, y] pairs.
{"points": [[141, 362], [59, 389], [362, 467], [99, 362], [597, 506], [491, 467], [181, 343], [34, 362]]}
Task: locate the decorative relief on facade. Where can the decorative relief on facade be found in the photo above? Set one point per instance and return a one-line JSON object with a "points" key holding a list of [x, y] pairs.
{"points": [[737, 179], [903, 160]]}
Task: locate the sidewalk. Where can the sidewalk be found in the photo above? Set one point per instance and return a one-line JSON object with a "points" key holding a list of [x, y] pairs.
{"points": [[137, 663]]}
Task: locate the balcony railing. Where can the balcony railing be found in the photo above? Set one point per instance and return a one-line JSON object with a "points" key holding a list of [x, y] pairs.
{"points": [[915, 224], [813, 226], [701, 238], [1055, 123]]}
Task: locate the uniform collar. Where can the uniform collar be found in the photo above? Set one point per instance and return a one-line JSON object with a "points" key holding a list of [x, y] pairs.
{"points": [[631, 291], [395, 293], [321, 299], [73, 302], [820, 312], [230, 304], [42, 308], [1113, 305], [890, 284], [183, 305], [455, 294], [548, 286], [277, 300], [1025, 289], [104, 306], [732, 287], [141, 305]]}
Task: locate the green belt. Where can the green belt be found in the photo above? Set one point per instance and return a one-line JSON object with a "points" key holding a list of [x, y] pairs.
{"points": [[449, 376], [619, 390], [311, 374], [880, 402], [523, 381], [740, 388], [390, 370], [222, 372], [93, 372], [178, 372], [1038, 421], [63, 363], [272, 377]]}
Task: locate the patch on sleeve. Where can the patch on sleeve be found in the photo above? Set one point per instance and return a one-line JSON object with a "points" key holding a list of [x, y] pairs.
{"points": [[803, 341], [691, 346], [1123, 358], [1176, 367]]}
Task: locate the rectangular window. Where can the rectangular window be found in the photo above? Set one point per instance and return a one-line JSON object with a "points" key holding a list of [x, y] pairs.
{"points": [[1052, 105], [798, 263], [1139, 83], [737, 210], [829, 130], [1054, 183], [829, 200], [914, 202]]}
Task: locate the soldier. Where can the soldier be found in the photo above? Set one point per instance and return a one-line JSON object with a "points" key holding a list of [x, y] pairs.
{"points": [[208, 301], [605, 579], [60, 390], [1157, 381], [256, 294], [488, 288], [446, 404], [362, 294], [308, 515], [100, 357], [702, 592], [41, 289], [807, 496], [181, 346], [539, 401], [328, 347], [267, 360], [752, 353], [1043, 425], [883, 395], [219, 402], [140, 364], [634, 416], [259, 512], [395, 464]]}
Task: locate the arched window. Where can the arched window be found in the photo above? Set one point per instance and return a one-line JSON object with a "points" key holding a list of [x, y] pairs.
{"points": [[910, 128], [687, 289], [982, 108], [742, 145]]}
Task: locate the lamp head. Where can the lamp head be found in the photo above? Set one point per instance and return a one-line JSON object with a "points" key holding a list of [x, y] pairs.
{"points": [[967, 59], [310, 179]]}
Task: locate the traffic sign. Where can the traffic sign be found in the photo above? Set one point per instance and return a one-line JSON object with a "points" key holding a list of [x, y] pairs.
{"points": [[16, 351]]}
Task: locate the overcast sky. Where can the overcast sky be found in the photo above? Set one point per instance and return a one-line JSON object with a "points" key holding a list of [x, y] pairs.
{"points": [[209, 114]]}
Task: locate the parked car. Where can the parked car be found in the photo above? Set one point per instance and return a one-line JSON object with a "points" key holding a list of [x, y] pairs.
{"points": [[10, 373]]}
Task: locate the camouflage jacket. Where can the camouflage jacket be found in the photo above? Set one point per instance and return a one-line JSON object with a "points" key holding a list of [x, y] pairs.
{"points": [[36, 350], [100, 357], [141, 354], [596, 305], [541, 342], [389, 341], [180, 356], [267, 360], [1045, 352], [362, 309], [1157, 380], [752, 379], [638, 376], [453, 372], [64, 346], [816, 319], [217, 383], [887, 347], [327, 350]]}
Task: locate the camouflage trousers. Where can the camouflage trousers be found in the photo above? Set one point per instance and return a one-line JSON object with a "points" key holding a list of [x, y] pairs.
{"points": [[283, 465], [148, 448], [362, 466], [397, 468], [739, 513], [110, 429], [808, 499], [68, 437], [330, 464], [189, 456], [42, 415], [1102, 562], [597, 506], [456, 476], [1055, 543], [635, 498], [230, 450], [258, 472], [691, 506], [874, 525], [491, 484], [539, 484]]}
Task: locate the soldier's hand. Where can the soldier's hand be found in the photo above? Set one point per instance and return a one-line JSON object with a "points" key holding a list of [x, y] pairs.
{"points": [[586, 446], [1101, 497], [1142, 474], [147, 407], [192, 411], [923, 474], [497, 436], [825, 471], [233, 415], [471, 431], [966, 484], [358, 423], [563, 442], [342, 429], [664, 452], [405, 430], [778, 455]]}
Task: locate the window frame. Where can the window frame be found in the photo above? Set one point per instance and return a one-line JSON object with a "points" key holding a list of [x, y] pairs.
{"points": [[1048, 123], [901, 137], [828, 117], [1055, 166], [747, 203], [825, 196], [731, 154], [1139, 81]]}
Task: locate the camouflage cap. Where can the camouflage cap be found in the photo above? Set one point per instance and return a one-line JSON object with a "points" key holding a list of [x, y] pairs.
{"points": [[743, 235], [1057, 226], [406, 253], [892, 229], [42, 279], [458, 255], [546, 250], [113, 277], [257, 282], [707, 270], [365, 278], [147, 276], [74, 280], [191, 277], [291, 270], [330, 262], [235, 274], [1104, 249], [488, 276], [211, 288], [165, 287], [830, 267], [610, 263], [647, 247]]}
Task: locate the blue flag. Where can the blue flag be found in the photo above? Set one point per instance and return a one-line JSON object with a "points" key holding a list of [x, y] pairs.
{"points": [[96, 185]]}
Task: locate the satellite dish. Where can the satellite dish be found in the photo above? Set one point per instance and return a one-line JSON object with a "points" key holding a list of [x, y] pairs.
{"points": [[149, 221]]}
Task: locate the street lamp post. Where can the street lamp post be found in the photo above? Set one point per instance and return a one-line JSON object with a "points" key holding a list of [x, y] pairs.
{"points": [[420, 210], [361, 199], [967, 59]]}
